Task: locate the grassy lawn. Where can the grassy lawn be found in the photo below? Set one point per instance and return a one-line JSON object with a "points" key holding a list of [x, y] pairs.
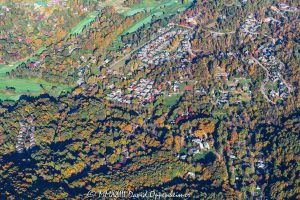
{"points": [[201, 155], [8, 68], [143, 6], [139, 24], [205, 156], [134, 11], [154, 8], [88, 19], [28, 87], [172, 100]]}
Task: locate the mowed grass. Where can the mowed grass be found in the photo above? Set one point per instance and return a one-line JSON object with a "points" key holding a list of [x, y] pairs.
{"points": [[30, 87], [172, 100], [7, 68], [201, 155], [143, 6], [80, 26], [154, 8], [134, 11], [139, 24]]}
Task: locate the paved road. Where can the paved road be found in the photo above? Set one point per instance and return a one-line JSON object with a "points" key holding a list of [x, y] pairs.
{"points": [[136, 49], [262, 88]]}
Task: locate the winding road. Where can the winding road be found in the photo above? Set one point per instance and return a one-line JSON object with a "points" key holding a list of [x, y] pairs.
{"points": [[262, 88]]}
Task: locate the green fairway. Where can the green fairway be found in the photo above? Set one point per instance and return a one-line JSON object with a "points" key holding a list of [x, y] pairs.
{"points": [[154, 8], [76, 30], [13, 88], [7, 68], [80, 26], [139, 24], [134, 11]]}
